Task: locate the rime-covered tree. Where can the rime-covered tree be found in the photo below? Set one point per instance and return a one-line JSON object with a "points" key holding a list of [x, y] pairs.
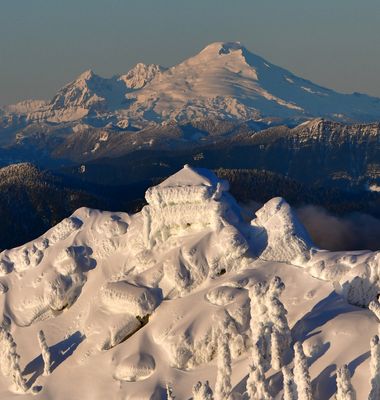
{"points": [[345, 390], [276, 351], [374, 306], [301, 374], [257, 388], [10, 360], [290, 390], [269, 326], [259, 325], [280, 331], [202, 391], [275, 287], [223, 378], [169, 392], [46, 356], [375, 369]]}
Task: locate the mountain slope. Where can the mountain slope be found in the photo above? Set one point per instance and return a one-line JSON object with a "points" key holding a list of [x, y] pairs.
{"points": [[132, 303]]}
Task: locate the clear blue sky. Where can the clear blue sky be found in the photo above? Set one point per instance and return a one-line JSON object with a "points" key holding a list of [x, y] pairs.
{"points": [[46, 43]]}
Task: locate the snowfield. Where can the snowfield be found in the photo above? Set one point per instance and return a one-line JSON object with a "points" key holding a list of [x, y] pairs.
{"points": [[108, 305]]}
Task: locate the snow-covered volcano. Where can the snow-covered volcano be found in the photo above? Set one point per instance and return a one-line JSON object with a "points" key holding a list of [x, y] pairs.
{"points": [[223, 81], [132, 304]]}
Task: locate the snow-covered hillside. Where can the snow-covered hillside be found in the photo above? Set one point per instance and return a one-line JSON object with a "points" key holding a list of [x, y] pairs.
{"points": [[138, 306], [224, 81]]}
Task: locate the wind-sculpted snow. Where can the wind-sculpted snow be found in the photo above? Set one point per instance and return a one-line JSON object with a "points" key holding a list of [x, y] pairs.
{"points": [[138, 306], [282, 236]]}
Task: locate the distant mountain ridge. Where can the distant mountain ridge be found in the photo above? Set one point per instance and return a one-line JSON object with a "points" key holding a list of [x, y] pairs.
{"points": [[224, 81]]}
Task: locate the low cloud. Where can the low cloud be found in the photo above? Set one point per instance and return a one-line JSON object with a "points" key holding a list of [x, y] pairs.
{"points": [[355, 231]]}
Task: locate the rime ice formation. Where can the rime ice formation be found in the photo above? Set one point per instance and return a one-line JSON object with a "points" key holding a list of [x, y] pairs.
{"points": [[134, 304], [282, 235]]}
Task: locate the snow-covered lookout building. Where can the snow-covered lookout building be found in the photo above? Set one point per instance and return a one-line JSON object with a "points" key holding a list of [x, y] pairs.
{"points": [[191, 199]]}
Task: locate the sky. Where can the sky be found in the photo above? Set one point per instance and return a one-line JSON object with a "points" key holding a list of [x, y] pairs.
{"points": [[45, 44]]}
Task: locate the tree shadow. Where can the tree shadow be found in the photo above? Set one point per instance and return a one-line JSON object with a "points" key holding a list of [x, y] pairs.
{"points": [[357, 361], [59, 353], [326, 310], [240, 387], [324, 385]]}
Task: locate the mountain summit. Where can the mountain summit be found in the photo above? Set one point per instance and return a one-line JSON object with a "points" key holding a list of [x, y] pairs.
{"points": [[224, 81]]}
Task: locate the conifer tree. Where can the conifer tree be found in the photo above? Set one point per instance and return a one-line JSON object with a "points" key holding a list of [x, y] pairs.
{"points": [[46, 356], [375, 369], [345, 390], [202, 391], [223, 379], [301, 374], [257, 388], [10, 360], [169, 392], [290, 390]]}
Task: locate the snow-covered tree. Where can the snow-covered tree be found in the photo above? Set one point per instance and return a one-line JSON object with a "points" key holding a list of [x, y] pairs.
{"points": [[169, 392], [223, 378], [301, 374], [269, 323], [259, 325], [10, 360], [280, 328], [202, 391], [275, 287], [257, 388], [45, 352], [276, 351], [374, 306], [290, 390], [345, 390], [375, 369], [18, 379]]}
